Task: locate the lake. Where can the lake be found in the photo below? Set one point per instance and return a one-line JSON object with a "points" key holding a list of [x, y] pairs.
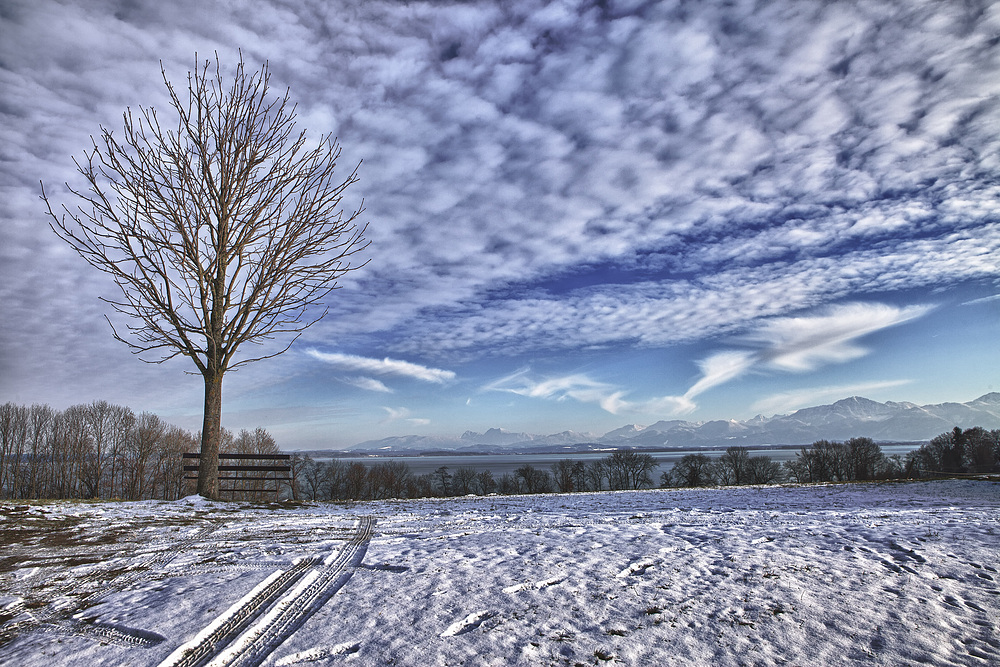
{"points": [[500, 464]]}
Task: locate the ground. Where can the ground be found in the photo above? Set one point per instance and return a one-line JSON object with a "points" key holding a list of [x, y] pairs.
{"points": [[885, 574]]}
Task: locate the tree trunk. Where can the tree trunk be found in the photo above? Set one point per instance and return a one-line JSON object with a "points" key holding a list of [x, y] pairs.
{"points": [[211, 431]]}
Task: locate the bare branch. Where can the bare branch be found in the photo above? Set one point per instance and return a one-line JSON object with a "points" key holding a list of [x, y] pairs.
{"points": [[224, 230]]}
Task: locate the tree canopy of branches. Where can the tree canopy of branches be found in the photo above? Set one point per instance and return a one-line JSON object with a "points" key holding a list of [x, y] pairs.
{"points": [[628, 469], [692, 470], [223, 229], [974, 450], [105, 451], [89, 451]]}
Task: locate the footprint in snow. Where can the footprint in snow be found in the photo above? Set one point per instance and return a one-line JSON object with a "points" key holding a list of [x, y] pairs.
{"points": [[637, 568], [517, 588], [467, 624]]}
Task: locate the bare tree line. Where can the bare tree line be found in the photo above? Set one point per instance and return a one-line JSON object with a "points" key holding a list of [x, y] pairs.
{"points": [[857, 459], [974, 450], [735, 467], [340, 480], [104, 451]]}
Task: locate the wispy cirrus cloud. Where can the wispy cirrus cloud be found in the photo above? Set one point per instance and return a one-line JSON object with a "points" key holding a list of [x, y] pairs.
{"points": [[667, 312], [584, 389], [718, 369], [403, 414], [804, 343], [577, 386], [384, 366], [985, 299], [791, 344], [367, 383]]}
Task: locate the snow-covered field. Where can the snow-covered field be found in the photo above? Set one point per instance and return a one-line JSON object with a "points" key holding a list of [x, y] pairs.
{"points": [[887, 574]]}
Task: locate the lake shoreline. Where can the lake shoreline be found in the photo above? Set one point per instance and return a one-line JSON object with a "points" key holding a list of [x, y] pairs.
{"points": [[500, 463]]}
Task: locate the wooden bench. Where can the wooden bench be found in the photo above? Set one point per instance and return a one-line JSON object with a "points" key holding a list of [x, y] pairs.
{"points": [[258, 468]]}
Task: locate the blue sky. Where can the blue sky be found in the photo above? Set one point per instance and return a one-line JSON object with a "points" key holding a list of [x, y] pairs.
{"points": [[582, 214]]}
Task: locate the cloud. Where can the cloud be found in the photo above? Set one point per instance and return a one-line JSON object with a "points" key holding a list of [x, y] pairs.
{"points": [[578, 387], [985, 299], [383, 366], [719, 368], [791, 344], [367, 383], [787, 401], [805, 343], [397, 414], [685, 174], [662, 313]]}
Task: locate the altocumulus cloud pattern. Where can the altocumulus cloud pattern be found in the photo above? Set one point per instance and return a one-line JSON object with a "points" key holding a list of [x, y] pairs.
{"points": [[549, 177]]}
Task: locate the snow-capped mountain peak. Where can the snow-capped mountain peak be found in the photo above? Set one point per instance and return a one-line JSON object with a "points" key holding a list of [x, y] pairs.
{"points": [[627, 431]]}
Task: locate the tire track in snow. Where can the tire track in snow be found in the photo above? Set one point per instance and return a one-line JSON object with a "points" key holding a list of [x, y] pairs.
{"points": [[292, 611], [282, 603], [206, 644]]}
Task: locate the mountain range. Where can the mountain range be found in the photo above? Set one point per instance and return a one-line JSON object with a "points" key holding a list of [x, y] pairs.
{"points": [[847, 418]]}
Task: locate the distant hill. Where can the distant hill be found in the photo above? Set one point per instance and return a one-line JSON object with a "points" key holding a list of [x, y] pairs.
{"points": [[847, 418]]}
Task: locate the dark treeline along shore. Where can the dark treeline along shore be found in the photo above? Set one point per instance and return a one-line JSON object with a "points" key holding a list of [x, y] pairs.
{"points": [[105, 451]]}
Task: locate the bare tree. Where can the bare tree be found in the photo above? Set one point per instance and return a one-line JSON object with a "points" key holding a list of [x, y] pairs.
{"points": [[508, 484], [297, 465], [356, 482], [388, 479], [485, 483], [13, 434], [335, 479], [312, 477], [123, 422], [562, 475], [41, 418], [463, 481], [99, 422], [823, 461], [692, 470], [597, 473], [144, 443], [226, 229], [732, 467], [982, 448], [169, 464], [630, 470], [442, 478], [247, 485], [864, 458], [533, 480], [762, 470]]}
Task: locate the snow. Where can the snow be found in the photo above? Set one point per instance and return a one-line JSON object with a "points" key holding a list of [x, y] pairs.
{"points": [[887, 574]]}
